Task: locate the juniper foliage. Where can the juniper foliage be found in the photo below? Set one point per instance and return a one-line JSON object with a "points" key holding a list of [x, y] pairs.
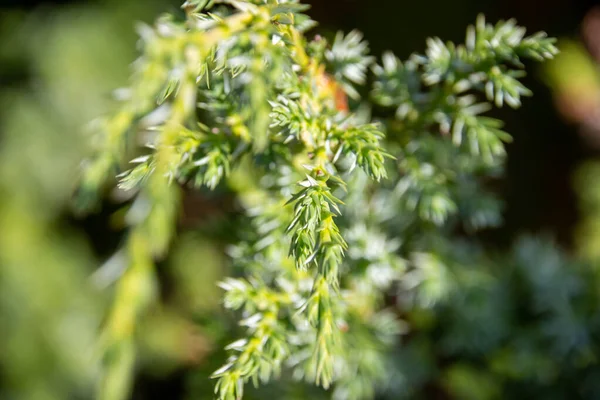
{"points": [[338, 215]]}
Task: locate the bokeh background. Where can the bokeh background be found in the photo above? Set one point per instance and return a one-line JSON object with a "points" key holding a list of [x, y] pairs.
{"points": [[59, 64]]}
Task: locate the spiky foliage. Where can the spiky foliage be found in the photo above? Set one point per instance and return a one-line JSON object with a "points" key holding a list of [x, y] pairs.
{"points": [[440, 99], [236, 95]]}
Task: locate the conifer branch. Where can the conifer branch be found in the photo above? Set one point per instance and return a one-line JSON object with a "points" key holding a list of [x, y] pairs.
{"points": [[237, 94]]}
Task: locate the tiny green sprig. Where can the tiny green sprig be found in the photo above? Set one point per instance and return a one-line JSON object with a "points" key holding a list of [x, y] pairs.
{"points": [[260, 356], [313, 224], [490, 63], [440, 94]]}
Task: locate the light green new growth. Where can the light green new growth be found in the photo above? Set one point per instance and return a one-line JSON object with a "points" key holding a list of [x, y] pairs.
{"points": [[237, 87]]}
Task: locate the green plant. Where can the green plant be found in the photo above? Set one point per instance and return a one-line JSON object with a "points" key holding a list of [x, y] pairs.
{"points": [[235, 96], [49, 309]]}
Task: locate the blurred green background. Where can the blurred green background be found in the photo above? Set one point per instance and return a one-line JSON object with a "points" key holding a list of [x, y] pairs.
{"points": [[59, 65]]}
